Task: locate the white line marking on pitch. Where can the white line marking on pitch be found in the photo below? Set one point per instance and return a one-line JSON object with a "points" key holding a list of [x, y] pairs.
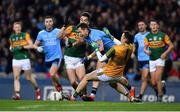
{"points": [[30, 106]]}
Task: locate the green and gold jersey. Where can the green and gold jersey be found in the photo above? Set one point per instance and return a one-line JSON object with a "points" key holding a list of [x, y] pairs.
{"points": [[17, 41], [119, 56], [75, 51], [157, 44]]}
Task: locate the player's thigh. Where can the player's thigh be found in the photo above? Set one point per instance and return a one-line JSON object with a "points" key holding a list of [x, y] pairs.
{"points": [[159, 72], [16, 65], [152, 65], [92, 76], [16, 72], [153, 78], [145, 73], [28, 74], [80, 72], [53, 70], [144, 68], [54, 66], [26, 64], [71, 62], [71, 75]]}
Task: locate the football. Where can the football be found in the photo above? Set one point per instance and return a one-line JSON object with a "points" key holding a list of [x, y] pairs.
{"points": [[55, 96], [71, 33]]}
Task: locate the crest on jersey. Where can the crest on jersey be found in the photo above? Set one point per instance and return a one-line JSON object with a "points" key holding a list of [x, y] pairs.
{"points": [[155, 38], [150, 39], [20, 38], [160, 38]]}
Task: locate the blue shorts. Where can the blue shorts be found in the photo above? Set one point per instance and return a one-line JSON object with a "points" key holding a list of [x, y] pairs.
{"points": [[143, 65], [55, 62]]}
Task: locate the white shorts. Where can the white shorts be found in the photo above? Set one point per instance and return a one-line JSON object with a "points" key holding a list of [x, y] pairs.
{"points": [[23, 63], [72, 62], [104, 77], [153, 64]]}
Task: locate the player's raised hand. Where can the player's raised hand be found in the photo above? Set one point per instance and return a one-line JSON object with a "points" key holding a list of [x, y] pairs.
{"points": [[107, 32]]}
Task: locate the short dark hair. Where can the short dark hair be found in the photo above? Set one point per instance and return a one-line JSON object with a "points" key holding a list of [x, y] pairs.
{"points": [[83, 26], [17, 22], [128, 36], [86, 14], [154, 20], [47, 17], [141, 20]]}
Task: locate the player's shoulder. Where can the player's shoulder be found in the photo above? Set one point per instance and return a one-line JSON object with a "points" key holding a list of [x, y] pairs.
{"points": [[123, 46], [56, 29], [161, 33], [149, 35], [41, 32], [96, 30], [12, 35], [137, 35], [118, 47]]}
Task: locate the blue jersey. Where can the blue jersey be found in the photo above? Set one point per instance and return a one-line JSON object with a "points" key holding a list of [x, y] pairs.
{"points": [[51, 44], [139, 39], [96, 35]]}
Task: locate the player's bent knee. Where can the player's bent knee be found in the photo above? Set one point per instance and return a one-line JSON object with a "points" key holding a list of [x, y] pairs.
{"points": [[145, 79], [72, 82]]}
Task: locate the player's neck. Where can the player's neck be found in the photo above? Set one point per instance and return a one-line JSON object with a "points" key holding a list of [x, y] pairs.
{"points": [[143, 32], [18, 33], [155, 32], [49, 29]]}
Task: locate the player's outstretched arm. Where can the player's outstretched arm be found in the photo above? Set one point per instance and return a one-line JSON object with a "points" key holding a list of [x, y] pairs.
{"points": [[133, 51], [101, 57], [37, 47], [62, 33], [104, 57], [116, 41]]}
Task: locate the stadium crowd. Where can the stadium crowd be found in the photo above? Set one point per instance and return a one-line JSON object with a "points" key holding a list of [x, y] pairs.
{"points": [[117, 15]]}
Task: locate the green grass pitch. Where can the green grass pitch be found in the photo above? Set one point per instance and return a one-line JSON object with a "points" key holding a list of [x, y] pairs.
{"points": [[29, 105]]}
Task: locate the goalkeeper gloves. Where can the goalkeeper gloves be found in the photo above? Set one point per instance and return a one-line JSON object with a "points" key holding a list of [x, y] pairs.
{"points": [[106, 31]]}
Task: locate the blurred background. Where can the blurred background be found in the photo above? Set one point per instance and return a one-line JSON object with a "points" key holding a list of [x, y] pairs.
{"points": [[117, 15]]}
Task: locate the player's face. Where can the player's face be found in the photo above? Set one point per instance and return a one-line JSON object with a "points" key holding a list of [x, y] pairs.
{"points": [[123, 38], [154, 26], [84, 19], [83, 33], [141, 26], [48, 23], [17, 28]]}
